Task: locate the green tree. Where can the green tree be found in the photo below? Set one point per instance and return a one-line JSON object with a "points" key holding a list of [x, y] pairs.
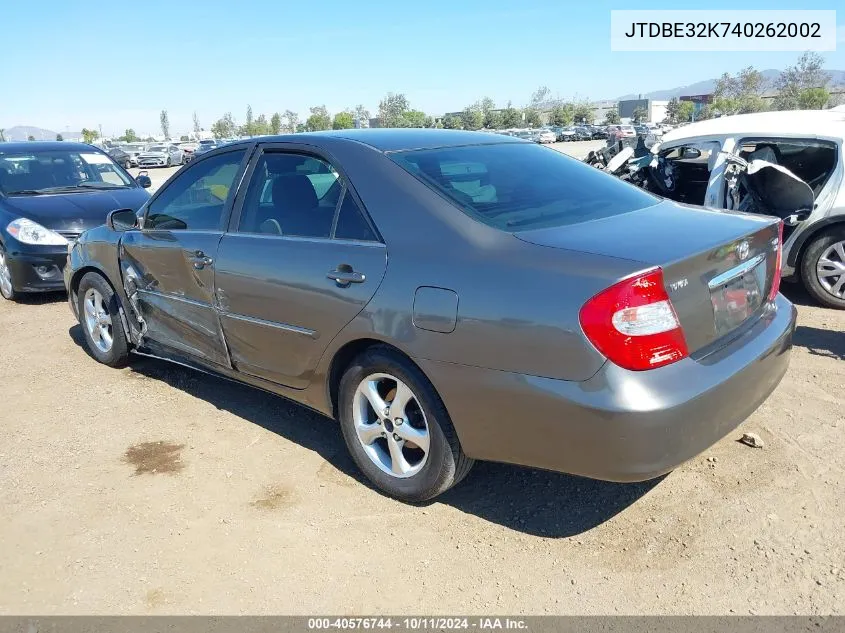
{"points": [[563, 114], [291, 121], [391, 110], [532, 117], [472, 118], [685, 111], [486, 104], [224, 127], [511, 117], [741, 93], [184, 138], [639, 115], [451, 122], [493, 120], [706, 112], [197, 128], [429, 121], [275, 123], [813, 98], [612, 116], [261, 127], [89, 136], [248, 128], [343, 121], [803, 85], [30, 138], [583, 112], [413, 118], [165, 123], [59, 137], [319, 119], [362, 116], [129, 135], [673, 108]]}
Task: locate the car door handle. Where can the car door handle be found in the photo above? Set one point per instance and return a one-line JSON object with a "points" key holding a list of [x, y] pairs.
{"points": [[346, 277], [200, 260]]}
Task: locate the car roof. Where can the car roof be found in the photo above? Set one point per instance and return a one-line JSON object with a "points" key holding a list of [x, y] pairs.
{"points": [[394, 139], [789, 123], [45, 146]]}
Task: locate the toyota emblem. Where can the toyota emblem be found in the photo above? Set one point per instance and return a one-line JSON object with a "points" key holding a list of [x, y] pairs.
{"points": [[742, 250]]}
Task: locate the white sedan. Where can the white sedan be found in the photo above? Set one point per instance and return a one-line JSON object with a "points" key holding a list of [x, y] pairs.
{"points": [[164, 155]]}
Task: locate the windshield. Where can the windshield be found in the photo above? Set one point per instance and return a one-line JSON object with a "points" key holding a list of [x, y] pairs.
{"points": [[133, 148], [43, 171], [157, 148], [516, 186]]}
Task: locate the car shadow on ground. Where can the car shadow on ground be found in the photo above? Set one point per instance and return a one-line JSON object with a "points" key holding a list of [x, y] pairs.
{"points": [[40, 298], [532, 501], [820, 342]]}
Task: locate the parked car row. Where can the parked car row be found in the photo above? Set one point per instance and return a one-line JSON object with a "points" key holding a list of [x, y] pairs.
{"points": [[265, 261]]}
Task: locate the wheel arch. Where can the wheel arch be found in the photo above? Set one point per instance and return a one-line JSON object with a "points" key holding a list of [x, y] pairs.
{"points": [[797, 252], [73, 288], [344, 356]]}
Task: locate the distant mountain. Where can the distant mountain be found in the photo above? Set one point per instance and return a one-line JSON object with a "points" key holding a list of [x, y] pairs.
{"points": [[837, 77], [23, 132]]}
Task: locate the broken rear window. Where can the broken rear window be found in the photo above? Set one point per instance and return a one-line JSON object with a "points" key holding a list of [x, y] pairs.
{"points": [[811, 160]]}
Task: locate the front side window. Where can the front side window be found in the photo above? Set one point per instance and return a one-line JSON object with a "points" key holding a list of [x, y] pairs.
{"points": [[517, 186], [196, 200], [43, 172]]}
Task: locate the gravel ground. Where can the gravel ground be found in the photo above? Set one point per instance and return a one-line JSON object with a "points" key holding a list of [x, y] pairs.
{"points": [[155, 489]]}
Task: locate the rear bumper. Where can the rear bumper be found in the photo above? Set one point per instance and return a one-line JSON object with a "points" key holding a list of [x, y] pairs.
{"points": [[619, 425], [42, 272]]}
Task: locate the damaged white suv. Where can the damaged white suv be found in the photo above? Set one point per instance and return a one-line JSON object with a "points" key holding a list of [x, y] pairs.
{"points": [[787, 164]]}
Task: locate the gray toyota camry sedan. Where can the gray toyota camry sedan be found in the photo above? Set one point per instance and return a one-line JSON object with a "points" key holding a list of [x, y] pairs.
{"points": [[448, 297]]}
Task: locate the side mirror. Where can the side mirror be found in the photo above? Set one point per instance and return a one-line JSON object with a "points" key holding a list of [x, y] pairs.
{"points": [[143, 179], [691, 152], [122, 220]]}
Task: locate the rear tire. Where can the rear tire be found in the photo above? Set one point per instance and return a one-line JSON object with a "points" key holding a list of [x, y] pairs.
{"points": [[828, 248], [169, 162], [99, 317], [381, 444], [7, 283]]}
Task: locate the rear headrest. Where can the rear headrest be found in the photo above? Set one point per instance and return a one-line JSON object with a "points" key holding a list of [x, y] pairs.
{"points": [[294, 192]]}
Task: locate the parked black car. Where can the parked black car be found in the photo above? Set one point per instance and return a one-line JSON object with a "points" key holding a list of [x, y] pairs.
{"points": [[120, 157], [598, 132], [49, 194]]}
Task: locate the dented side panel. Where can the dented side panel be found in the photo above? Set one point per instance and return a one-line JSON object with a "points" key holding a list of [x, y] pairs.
{"points": [[168, 277]]}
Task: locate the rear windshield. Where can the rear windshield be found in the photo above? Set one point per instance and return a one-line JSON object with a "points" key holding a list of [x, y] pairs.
{"points": [[521, 186]]}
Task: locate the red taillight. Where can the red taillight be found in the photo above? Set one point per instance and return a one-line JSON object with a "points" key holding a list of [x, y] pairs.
{"points": [[634, 324], [773, 293]]}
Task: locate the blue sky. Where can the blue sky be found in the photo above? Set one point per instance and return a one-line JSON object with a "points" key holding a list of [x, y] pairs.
{"points": [[67, 65]]}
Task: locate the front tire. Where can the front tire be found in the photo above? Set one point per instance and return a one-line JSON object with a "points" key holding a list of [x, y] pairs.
{"points": [[823, 268], [169, 162], [7, 284], [100, 320], [397, 429]]}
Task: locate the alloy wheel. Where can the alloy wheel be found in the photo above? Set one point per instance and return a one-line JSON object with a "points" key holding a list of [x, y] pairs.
{"points": [[830, 269], [5, 275], [98, 320], [391, 425]]}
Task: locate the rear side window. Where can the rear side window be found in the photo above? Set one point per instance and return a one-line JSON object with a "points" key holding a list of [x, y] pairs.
{"points": [[516, 186]]}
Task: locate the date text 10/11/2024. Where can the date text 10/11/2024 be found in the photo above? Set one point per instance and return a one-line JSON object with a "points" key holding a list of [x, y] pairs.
{"points": [[417, 623]]}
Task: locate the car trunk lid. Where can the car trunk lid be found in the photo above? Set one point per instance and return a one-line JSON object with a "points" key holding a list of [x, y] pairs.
{"points": [[718, 266]]}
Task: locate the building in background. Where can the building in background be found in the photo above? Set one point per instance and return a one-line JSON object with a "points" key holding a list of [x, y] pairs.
{"points": [[656, 110]]}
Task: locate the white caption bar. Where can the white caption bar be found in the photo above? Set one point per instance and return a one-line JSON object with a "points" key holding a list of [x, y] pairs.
{"points": [[696, 30]]}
